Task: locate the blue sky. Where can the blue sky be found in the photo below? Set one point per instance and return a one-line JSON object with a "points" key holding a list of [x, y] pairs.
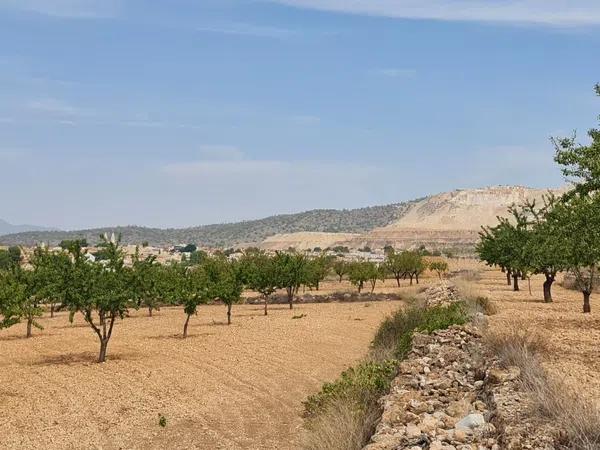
{"points": [[178, 113]]}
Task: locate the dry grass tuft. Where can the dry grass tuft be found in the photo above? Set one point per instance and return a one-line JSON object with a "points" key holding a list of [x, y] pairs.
{"points": [[577, 416], [518, 346], [341, 427], [471, 294]]}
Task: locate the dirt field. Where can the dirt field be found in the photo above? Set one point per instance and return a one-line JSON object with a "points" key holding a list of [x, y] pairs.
{"points": [[225, 387], [573, 351]]}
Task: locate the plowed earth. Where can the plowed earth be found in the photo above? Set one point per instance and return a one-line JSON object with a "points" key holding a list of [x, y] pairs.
{"points": [[224, 387]]}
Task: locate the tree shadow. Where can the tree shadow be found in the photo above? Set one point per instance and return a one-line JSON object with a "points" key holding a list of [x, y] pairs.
{"points": [[179, 336], [81, 358], [16, 337], [72, 325]]}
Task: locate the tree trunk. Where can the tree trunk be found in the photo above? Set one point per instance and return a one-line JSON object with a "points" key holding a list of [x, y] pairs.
{"points": [[586, 302], [411, 278], [103, 348], [229, 314], [290, 295], [341, 277], [149, 311], [51, 310], [398, 280], [508, 282], [548, 289], [317, 286], [266, 304], [185, 326], [360, 286], [417, 277], [516, 282], [29, 323]]}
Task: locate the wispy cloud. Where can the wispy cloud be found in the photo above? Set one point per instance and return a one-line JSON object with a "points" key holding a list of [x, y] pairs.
{"points": [[306, 119], [392, 72], [550, 12], [76, 9], [246, 29], [53, 106]]}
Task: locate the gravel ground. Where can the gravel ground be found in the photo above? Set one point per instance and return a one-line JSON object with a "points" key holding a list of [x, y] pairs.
{"points": [[573, 352], [225, 387]]}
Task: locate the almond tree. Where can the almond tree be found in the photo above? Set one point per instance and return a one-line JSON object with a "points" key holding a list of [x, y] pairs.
{"points": [[439, 267], [360, 272], [145, 282], [186, 286], [578, 222], [260, 273], [316, 270], [340, 267], [18, 299], [101, 291], [395, 264], [224, 279], [292, 272], [543, 247]]}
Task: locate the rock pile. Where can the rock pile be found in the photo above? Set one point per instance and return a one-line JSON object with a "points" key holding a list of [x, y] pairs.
{"points": [[451, 395], [441, 294], [334, 297], [436, 402]]}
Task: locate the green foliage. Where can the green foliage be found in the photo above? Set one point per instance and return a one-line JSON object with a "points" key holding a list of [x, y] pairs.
{"points": [[359, 272], [10, 258], [224, 280], [439, 267], [404, 264], [316, 269], [340, 267], [145, 282], [580, 163], [68, 244], [394, 336], [364, 384], [505, 245], [197, 257], [360, 385], [162, 421], [577, 224], [19, 299]]}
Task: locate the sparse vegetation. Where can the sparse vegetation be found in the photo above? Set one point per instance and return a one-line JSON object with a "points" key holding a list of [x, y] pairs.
{"points": [[576, 415], [351, 401]]}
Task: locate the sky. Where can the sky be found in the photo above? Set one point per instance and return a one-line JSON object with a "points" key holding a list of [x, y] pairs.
{"points": [[187, 112]]}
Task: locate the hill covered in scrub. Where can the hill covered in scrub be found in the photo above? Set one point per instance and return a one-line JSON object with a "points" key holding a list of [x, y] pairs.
{"points": [[360, 220], [447, 220]]}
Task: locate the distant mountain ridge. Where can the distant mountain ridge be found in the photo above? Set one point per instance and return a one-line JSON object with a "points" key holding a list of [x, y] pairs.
{"points": [[447, 220], [358, 220], [8, 228]]}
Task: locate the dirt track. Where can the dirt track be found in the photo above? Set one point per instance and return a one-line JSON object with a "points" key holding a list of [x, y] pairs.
{"points": [[225, 387]]}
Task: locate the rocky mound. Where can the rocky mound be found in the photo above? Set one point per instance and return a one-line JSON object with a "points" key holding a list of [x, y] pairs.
{"points": [[450, 395]]}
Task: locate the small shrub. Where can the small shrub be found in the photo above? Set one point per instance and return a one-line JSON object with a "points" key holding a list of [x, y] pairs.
{"points": [[394, 336], [360, 386], [162, 420]]}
